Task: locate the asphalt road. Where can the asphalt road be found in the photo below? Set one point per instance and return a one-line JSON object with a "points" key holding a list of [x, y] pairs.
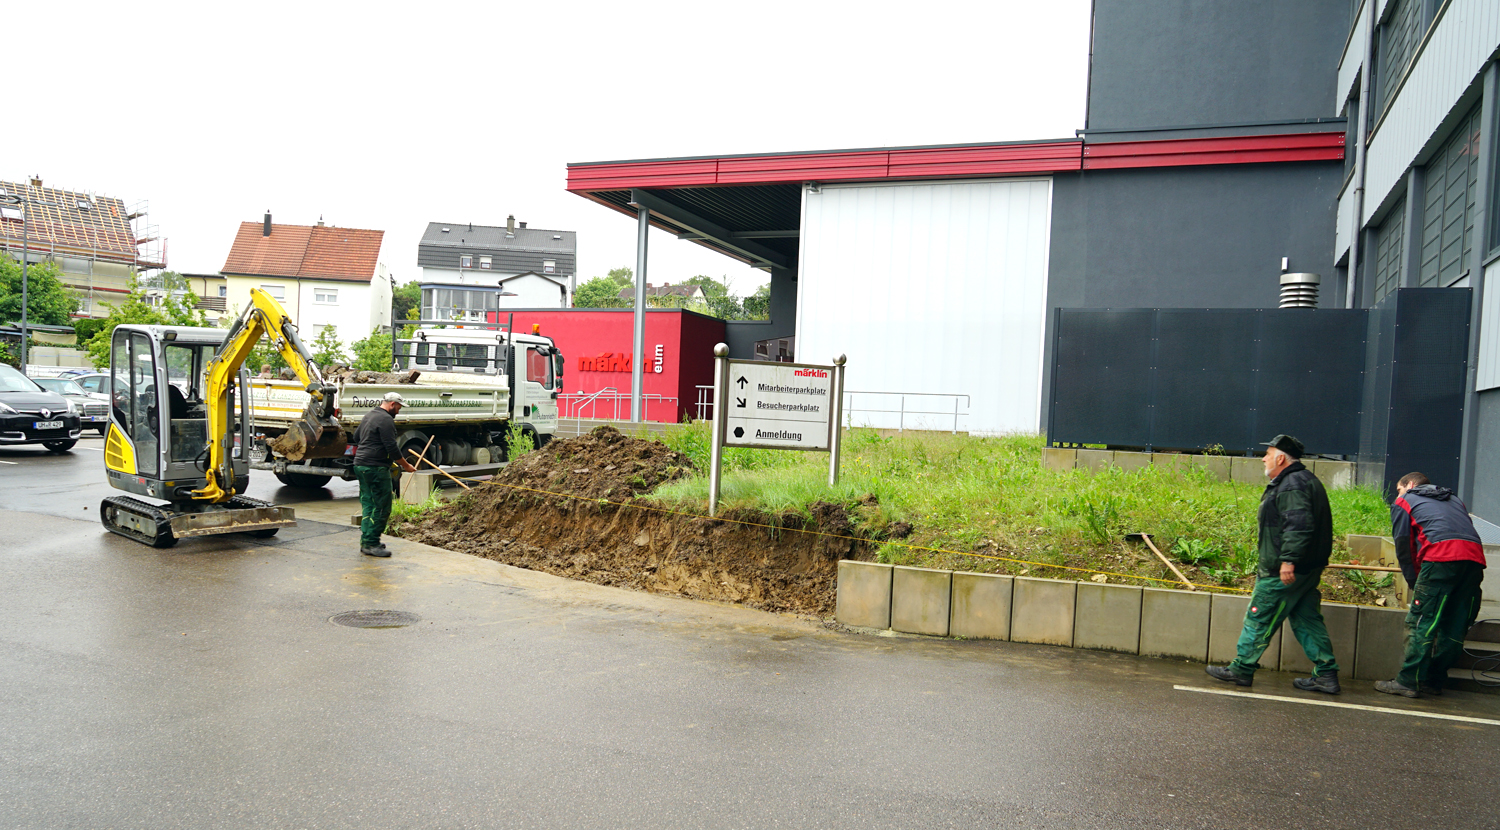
{"points": [[205, 686]]}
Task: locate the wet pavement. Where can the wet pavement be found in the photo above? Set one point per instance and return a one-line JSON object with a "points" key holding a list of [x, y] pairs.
{"points": [[205, 686]]}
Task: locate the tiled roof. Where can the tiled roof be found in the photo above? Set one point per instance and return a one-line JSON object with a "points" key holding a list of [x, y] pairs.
{"points": [[665, 290], [305, 252], [57, 220]]}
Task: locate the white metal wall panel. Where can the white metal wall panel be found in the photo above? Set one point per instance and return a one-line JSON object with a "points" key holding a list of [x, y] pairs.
{"points": [[932, 288], [1345, 219], [1489, 331], [1464, 39], [1354, 55]]}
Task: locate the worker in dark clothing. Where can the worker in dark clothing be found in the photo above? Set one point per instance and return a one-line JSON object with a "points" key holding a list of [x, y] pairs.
{"points": [[374, 450], [1442, 558], [1296, 537]]}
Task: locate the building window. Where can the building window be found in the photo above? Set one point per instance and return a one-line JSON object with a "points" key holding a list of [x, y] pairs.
{"points": [[466, 262], [325, 295], [85, 305], [1387, 274], [484, 262], [223, 291], [8, 212], [277, 292], [549, 266], [1448, 206], [1399, 37]]}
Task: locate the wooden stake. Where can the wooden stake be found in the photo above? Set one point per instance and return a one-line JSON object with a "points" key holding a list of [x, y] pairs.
{"points": [[1159, 555]]}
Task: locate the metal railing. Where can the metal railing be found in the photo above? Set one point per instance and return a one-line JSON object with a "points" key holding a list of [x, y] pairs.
{"points": [[705, 406], [573, 405], [960, 406]]}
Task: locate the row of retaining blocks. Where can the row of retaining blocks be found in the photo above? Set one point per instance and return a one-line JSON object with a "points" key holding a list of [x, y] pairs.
{"points": [[1153, 622], [1335, 475]]}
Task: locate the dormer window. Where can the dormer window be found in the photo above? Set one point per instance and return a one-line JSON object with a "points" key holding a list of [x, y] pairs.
{"points": [[466, 262], [484, 263], [549, 266]]}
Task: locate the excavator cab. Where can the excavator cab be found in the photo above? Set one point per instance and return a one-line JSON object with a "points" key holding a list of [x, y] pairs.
{"points": [[159, 434]]}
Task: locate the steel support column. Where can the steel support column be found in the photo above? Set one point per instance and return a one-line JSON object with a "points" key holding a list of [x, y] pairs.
{"points": [[638, 358]]}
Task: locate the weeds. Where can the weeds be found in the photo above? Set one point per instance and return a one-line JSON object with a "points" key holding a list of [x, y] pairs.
{"points": [[1368, 582]]}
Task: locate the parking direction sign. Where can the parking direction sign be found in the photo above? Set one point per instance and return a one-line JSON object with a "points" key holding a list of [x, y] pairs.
{"points": [[784, 406]]}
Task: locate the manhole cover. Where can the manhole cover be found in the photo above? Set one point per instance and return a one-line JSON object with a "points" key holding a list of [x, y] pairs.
{"points": [[374, 619]]}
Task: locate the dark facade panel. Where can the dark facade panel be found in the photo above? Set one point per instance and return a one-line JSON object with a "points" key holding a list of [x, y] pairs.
{"points": [[1486, 500], [1178, 63], [1196, 379]]}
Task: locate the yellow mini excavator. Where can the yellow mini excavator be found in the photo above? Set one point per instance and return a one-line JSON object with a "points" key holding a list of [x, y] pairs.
{"points": [[180, 426]]}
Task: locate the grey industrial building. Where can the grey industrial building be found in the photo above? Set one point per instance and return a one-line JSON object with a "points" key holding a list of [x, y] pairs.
{"points": [[1140, 261]]}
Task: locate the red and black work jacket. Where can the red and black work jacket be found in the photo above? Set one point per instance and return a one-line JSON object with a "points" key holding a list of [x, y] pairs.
{"points": [[1430, 524]]}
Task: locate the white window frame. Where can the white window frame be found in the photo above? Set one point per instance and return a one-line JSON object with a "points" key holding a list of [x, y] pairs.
{"points": [[331, 293], [484, 263], [223, 291], [277, 292], [549, 266]]}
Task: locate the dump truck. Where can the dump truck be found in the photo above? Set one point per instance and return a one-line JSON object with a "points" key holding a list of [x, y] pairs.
{"points": [[471, 384]]}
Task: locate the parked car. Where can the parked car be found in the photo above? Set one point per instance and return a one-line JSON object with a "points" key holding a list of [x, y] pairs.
{"points": [[93, 382], [30, 414], [93, 407], [73, 373]]}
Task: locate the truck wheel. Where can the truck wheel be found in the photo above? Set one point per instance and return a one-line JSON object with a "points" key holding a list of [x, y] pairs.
{"points": [[58, 446]]}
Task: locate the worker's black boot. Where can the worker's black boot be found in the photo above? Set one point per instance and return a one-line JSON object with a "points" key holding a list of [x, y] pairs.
{"points": [[380, 551], [1229, 675], [1319, 683]]}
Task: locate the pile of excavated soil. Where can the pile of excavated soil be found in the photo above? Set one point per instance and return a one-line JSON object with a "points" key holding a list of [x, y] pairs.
{"points": [[622, 543]]}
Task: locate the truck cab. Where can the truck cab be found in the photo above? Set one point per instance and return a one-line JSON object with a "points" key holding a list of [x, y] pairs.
{"points": [[529, 365]]}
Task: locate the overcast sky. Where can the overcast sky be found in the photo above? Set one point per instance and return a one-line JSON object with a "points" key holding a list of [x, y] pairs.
{"points": [[467, 112]]}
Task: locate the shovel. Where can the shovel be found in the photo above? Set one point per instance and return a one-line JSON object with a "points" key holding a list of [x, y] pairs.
{"points": [[1141, 537]]}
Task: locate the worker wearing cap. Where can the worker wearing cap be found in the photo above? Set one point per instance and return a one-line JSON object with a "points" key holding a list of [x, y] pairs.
{"points": [[374, 450], [1442, 558], [1296, 537]]}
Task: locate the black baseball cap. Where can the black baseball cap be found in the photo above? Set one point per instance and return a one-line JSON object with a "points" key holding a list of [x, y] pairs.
{"points": [[1287, 444]]}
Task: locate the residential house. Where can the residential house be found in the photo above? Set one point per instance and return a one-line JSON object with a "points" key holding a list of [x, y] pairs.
{"points": [[667, 294], [470, 272], [324, 275], [96, 241], [212, 291]]}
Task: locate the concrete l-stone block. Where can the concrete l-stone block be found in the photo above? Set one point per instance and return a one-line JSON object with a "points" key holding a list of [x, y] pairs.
{"points": [[1042, 611], [1226, 621], [1132, 460], [863, 597], [1379, 643], [981, 606], [1364, 549], [1343, 625], [1247, 470], [1060, 459], [1108, 617], [1174, 624], [920, 600], [1335, 475], [1095, 460]]}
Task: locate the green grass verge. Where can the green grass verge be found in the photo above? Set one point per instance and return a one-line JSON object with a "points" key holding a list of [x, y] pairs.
{"points": [[992, 495]]}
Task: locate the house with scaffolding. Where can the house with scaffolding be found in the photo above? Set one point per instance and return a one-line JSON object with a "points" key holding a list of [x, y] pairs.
{"points": [[96, 241]]}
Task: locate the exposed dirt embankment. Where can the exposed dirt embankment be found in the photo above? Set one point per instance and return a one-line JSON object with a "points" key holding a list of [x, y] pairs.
{"points": [[580, 537]]}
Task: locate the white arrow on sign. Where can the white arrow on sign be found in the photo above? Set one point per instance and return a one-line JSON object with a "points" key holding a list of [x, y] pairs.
{"points": [[785, 406]]}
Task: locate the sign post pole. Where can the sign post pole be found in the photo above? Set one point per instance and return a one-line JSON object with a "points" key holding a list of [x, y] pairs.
{"points": [[715, 467], [836, 428]]}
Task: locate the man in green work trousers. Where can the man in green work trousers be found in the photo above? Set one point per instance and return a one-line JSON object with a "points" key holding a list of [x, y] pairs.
{"points": [[374, 450], [1296, 536]]}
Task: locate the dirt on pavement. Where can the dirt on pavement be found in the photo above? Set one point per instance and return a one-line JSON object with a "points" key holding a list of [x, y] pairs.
{"points": [[572, 509]]}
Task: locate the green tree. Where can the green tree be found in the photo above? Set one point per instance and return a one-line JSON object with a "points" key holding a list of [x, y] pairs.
{"points": [[170, 303], [373, 354], [48, 303], [406, 301], [9, 357], [328, 348], [604, 292], [757, 306]]}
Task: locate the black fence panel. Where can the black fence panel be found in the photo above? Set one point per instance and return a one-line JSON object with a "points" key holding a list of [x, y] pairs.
{"points": [[1429, 368]]}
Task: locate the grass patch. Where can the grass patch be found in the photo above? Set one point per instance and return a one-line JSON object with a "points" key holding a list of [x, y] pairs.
{"points": [[993, 496]]}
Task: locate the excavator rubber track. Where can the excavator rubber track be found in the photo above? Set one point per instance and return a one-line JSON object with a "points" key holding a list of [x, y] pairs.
{"points": [[135, 519]]}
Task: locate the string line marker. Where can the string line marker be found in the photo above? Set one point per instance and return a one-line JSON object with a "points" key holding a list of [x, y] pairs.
{"points": [[1336, 705]]}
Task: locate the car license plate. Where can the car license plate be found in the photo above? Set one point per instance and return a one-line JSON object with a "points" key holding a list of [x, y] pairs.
{"points": [[49, 425]]}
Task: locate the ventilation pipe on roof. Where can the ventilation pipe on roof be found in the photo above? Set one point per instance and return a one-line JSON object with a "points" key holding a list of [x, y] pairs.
{"points": [[510, 225], [320, 220], [267, 230], [36, 180], [1300, 290]]}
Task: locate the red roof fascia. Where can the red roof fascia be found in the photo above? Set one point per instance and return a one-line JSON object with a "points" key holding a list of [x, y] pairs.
{"points": [[804, 167], [1246, 149], [643, 174], [978, 161]]}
